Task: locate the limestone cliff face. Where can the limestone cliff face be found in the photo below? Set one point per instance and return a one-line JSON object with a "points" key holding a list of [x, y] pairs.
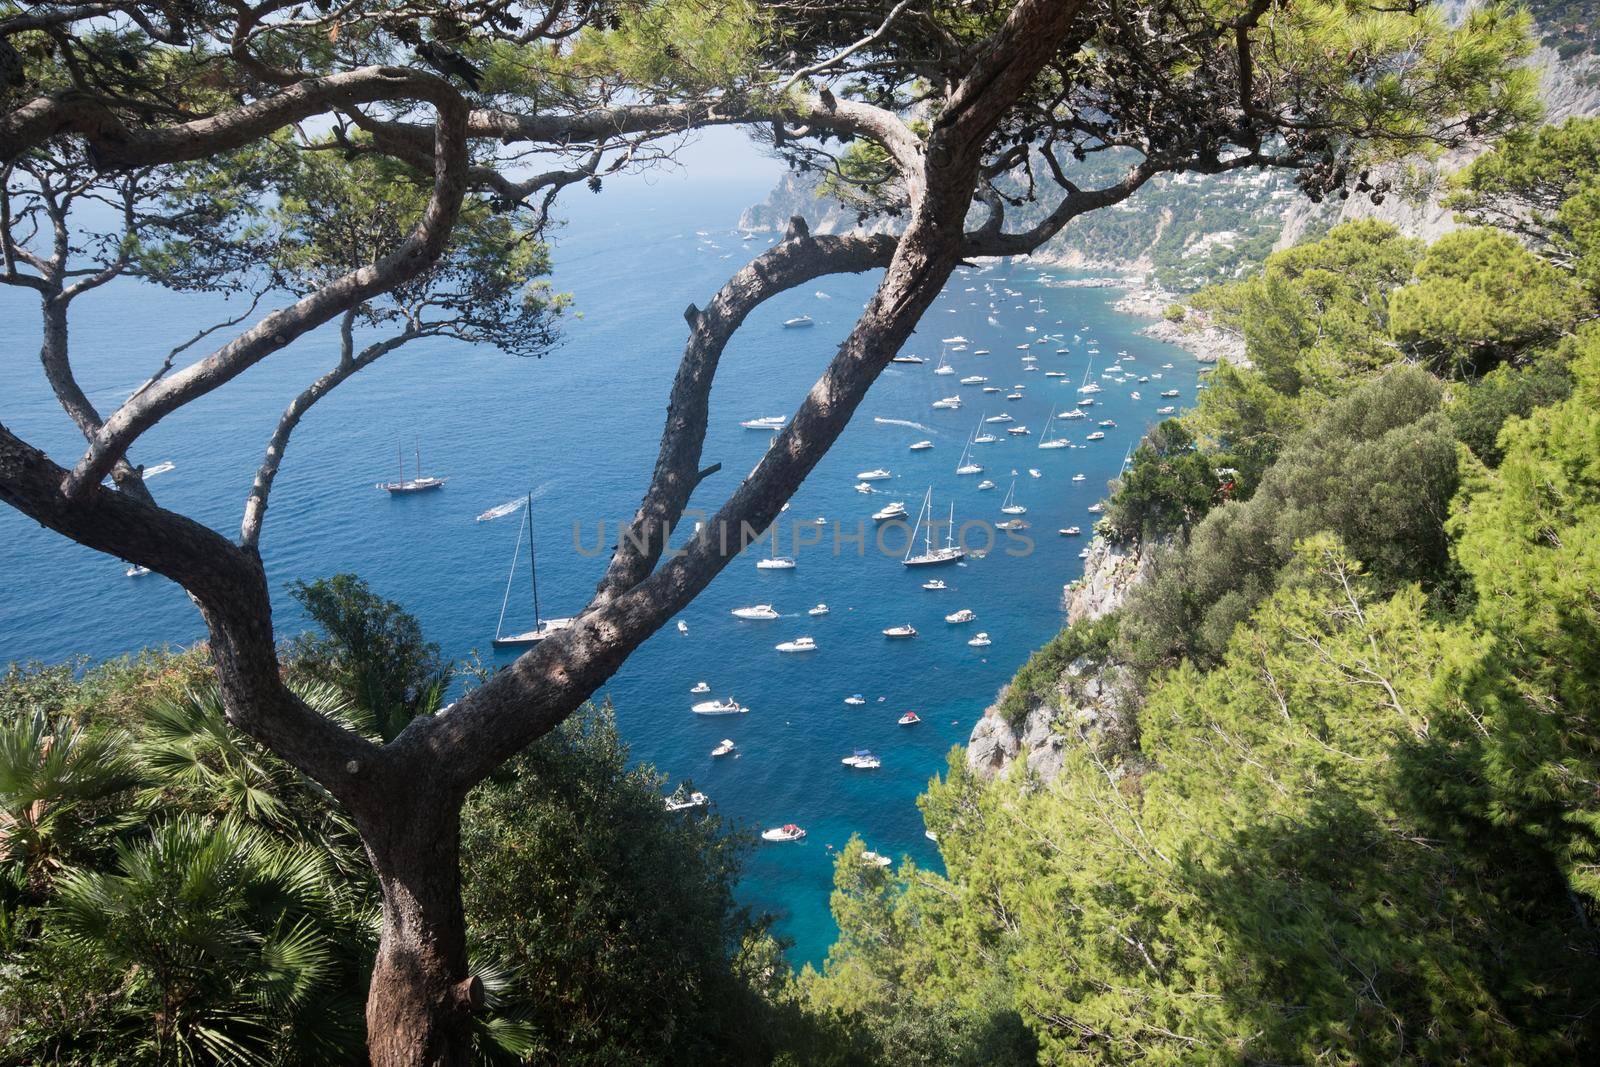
{"points": [[796, 194], [1093, 701]]}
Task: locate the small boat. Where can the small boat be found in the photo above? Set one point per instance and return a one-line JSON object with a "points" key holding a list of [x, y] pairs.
{"points": [[1086, 402], [766, 422], [775, 563], [1098, 435], [1084, 554], [726, 746], [798, 322], [872, 859], [1070, 531], [542, 628], [799, 644], [985, 439], [985, 484], [974, 379], [1002, 417], [756, 611], [420, 484], [787, 832], [944, 366], [980, 351], [934, 584], [820, 609], [910, 718], [1074, 413], [956, 340], [500, 510], [1009, 524], [908, 359], [683, 627], [1013, 396], [1035, 472], [1017, 431], [921, 446], [905, 631], [166, 465], [896, 510], [863, 759], [1135, 395], [864, 487], [1079, 478], [964, 615], [949, 403], [1168, 410], [680, 802], [991, 388], [1169, 392], [719, 707], [1097, 509], [855, 700], [700, 687], [877, 474], [981, 640], [137, 571], [1108, 422]]}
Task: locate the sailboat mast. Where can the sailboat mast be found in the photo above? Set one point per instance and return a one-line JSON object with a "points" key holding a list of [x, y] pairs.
{"points": [[510, 577], [400, 458], [418, 446], [533, 564], [950, 530]]}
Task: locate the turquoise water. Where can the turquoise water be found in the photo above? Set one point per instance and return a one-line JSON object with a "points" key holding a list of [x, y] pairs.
{"points": [[579, 428]]}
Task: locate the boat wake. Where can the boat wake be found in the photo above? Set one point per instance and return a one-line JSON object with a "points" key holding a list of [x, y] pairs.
{"points": [[159, 468], [904, 422], [511, 507]]}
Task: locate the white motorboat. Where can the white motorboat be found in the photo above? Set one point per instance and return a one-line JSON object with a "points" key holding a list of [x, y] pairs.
{"points": [[1070, 531], [896, 510], [719, 707], [1108, 422], [877, 474], [1135, 395], [862, 760], [1089, 387], [1013, 396], [974, 379], [980, 640], [820, 609], [949, 552], [166, 465], [542, 628], [985, 484], [873, 859], [1097, 509], [787, 832], [949, 403], [991, 388], [765, 422], [985, 439], [725, 747], [1098, 435], [964, 615], [799, 644], [756, 611], [1086, 402], [1169, 392], [1079, 478], [901, 632], [1084, 554], [1010, 524], [1002, 417], [500, 510], [1055, 374], [956, 340], [700, 687], [934, 584], [1074, 413], [1017, 431], [921, 446], [1168, 410], [855, 700], [681, 802], [798, 322], [683, 627], [907, 359], [1010, 506], [1035, 472], [775, 563], [137, 571], [420, 484], [910, 718], [864, 487]]}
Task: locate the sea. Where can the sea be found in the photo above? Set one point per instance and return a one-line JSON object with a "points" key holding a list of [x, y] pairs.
{"points": [[577, 429]]}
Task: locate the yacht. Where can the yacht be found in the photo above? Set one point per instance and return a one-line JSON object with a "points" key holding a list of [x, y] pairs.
{"points": [[1002, 417], [896, 510], [1090, 387], [542, 628], [1098, 435], [934, 584], [799, 644], [1097, 509], [775, 563], [862, 759], [991, 388], [974, 379], [855, 700], [877, 474], [1070, 531], [910, 718], [757, 611], [1055, 374], [985, 484], [980, 640], [907, 359], [1017, 431], [1086, 402], [864, 487], [1009, 506], [1045, 440], [906, 631], [1169, 392], [1013, 396], [985, 439], [719, 707], [964, 615], [949, 403], [1168, 410], [820, 609], [765, 422], [1035, 472], [949, 552], [787, 832], [1108, 422], [683, 627], [700, 687], [680, 802], [980, 351], [798, 322], [1009, 524], [921, 446], [420, 484], [726, 746], [1074, 413]]}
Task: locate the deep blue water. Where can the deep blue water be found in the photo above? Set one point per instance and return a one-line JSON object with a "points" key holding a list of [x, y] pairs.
{"points": [[579, 428]]}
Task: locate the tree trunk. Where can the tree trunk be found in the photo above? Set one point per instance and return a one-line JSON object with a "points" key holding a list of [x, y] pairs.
{"points": [[420, 1003]]}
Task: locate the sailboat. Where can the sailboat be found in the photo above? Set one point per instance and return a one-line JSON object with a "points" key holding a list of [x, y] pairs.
{"points": [[775, 562], [419, 484], [930, 555], [966, 466], [542, 628], [1010, 506], [1045, 440]]}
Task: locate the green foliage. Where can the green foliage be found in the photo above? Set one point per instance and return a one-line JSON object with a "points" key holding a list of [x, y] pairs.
{"points": [[1480, 409], [613, 916], [1521, 185], [373, 650], [1167, 488], [1479, 298], [1036, 679]]}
